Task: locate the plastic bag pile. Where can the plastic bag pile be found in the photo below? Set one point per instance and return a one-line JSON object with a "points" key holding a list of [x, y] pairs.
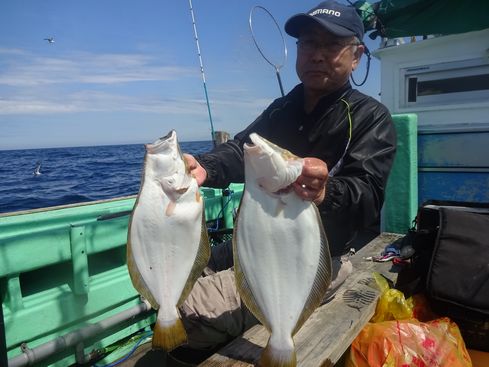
{"points": [[395, 336]]}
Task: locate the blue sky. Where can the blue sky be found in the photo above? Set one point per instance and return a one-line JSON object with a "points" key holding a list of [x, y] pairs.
{"points": [[122, 72]]}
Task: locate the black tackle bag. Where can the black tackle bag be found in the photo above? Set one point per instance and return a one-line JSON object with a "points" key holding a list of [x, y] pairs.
{"points": [[449, 248]]}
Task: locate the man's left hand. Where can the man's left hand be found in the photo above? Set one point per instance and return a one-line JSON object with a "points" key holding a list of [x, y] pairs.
{"points": [[311, 184]]}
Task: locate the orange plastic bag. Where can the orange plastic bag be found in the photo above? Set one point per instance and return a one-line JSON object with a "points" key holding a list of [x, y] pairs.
{"points": [[409, 343], [394, 338]]}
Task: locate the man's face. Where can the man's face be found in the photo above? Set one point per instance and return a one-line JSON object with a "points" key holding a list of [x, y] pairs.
{"points": [[325, 61]]}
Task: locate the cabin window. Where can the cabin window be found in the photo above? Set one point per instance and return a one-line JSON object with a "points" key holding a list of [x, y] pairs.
{"points": [[453, 85], [446, 83]]}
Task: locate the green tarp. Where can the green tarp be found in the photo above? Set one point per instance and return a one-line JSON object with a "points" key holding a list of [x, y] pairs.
{"points": [[404, 18]]}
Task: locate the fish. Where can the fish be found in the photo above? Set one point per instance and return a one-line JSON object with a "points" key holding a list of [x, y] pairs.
{"points": [[282, 261], [167, 242]]}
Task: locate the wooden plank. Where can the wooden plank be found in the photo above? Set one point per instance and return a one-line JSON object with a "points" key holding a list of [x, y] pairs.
{"points": [[330, 330]]}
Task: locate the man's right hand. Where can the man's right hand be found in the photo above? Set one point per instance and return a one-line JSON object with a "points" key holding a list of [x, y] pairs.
{"points": [[195, 168], [311, 184]]}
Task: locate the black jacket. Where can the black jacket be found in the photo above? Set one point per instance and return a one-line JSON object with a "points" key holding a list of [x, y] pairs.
{"points": [[355, 194]]}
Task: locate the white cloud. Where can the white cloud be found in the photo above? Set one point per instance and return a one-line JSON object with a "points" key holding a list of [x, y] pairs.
{"points": [[90, 101], [85, 83], [86, 68], [11, 51], [30, 106]]}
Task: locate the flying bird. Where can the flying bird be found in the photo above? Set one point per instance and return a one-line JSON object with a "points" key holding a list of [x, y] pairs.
{"points": [[50, 39]]}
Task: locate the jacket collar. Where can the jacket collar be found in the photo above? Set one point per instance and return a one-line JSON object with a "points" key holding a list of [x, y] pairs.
{"points": [[296, 95]]}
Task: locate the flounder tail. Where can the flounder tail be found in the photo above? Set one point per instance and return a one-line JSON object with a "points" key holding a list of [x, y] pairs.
{"points": [[168, 335], [272, 357]]}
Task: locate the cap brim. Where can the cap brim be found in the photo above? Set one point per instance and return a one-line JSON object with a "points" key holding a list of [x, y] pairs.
{"points": [[298, 22]]}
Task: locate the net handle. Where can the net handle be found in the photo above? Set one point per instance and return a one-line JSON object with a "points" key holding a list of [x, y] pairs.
{"points": [[277, 67]]}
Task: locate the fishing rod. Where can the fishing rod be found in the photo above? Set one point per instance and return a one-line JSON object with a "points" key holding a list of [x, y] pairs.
{"points": [[202, 72]]}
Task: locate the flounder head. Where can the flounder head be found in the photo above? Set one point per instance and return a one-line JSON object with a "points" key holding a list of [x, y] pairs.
{"points": [[274, 168], [164, 155], [164, 163]]}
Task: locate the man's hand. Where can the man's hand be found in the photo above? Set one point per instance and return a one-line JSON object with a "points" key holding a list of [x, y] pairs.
{"points": [[195, 168], [311, 184]]}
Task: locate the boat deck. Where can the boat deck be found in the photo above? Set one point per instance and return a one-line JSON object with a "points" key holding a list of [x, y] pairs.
{"points": [[321, 341]]}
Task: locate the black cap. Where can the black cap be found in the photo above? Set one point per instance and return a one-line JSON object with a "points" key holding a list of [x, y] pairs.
{"points": [[339, 19]]}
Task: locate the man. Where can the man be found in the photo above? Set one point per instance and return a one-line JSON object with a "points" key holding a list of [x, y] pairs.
{"points": [[347, 139]]}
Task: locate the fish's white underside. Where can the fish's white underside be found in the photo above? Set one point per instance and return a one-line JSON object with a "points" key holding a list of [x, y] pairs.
{"points": [[278, 257], [164, 247], [278, 239]]}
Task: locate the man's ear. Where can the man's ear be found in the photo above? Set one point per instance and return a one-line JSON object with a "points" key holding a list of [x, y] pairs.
{"points": [[357, 56]]}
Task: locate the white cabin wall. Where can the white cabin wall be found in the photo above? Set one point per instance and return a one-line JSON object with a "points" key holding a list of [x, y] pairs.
{"points": [[467, 46], [453, 128]]}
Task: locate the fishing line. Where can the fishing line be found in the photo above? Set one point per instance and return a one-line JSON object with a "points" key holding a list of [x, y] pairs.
{"points": [[131, 352], [276, 66], [229, 193], [202, 71]]}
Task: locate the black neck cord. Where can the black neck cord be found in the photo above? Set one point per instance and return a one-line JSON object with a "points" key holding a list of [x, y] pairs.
{"points": [[367, 53]]}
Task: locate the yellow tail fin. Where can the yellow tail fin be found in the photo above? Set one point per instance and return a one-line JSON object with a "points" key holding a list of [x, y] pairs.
{"points": [[168, 336], [278, 358]]}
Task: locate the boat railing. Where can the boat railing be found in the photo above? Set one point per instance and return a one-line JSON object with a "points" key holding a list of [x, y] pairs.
{"points": [[63, 274]]}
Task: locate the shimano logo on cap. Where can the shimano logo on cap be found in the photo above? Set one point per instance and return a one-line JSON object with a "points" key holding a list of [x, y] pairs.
{"points": [[325, 11]]}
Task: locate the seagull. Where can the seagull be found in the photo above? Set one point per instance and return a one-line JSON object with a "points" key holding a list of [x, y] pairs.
{"points": [[37, 170], [50, 39]]}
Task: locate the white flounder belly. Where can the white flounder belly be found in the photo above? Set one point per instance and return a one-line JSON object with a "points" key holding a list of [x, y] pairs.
{"points": [[278, 249], [164, 247]]}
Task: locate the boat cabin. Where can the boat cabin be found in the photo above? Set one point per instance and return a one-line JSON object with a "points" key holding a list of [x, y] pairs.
{"points": [[445, 82]]}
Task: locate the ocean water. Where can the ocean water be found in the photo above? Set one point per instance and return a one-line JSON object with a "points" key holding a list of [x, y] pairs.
{"points": [[73, 175]]}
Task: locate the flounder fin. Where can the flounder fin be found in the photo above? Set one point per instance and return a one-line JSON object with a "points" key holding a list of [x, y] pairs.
{"points": [[280, 208], [272, 357], [170, 208], [321, 281], [201, 260], [136, 278], [243, 286], [169, 336], [181, 190]]}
